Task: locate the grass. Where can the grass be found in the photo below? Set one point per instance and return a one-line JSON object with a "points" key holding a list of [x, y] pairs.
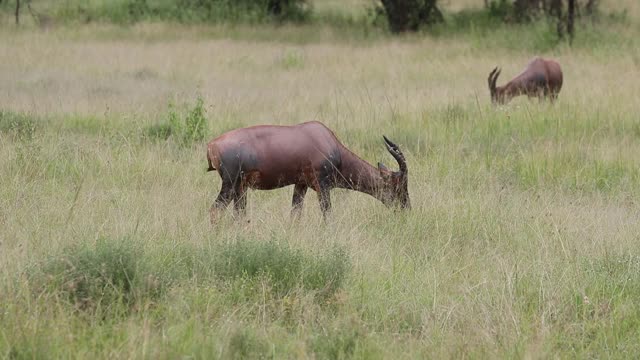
{"points": [[522, 240]]}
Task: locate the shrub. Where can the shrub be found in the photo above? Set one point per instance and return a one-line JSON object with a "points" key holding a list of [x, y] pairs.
{"points": [[410, 15], [244, 344], [109, 277], [248, 9], [500, 9], [158, 131], [340, 343], [185, 129], [285, 269], [19, 125], [212, 11], [194, 125]]}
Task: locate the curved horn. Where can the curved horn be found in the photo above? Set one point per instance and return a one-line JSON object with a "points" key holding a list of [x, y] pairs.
{"points": [[490, 80], [394, 150], [495, 77]]}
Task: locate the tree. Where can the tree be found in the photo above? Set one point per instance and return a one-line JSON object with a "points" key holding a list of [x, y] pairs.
{"points": [[570, 17], [564, 12], [410, 15], [17, 12]]}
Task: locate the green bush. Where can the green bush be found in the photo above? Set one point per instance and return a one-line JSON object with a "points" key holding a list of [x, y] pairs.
{"points": [[194, 126], [238, 10], [340, 343], [19, 126], [245, 344], [285, 268], [212, 11], [158, 131], [109, 277], [185, 129], [410, 15]]}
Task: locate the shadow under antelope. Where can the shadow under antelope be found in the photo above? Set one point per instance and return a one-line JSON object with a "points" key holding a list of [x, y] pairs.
{"points": [[307, 155], [541, 78]]}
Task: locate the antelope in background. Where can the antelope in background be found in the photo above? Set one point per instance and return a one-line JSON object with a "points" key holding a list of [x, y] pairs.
{"points": [[307, 155], [541, 78]]}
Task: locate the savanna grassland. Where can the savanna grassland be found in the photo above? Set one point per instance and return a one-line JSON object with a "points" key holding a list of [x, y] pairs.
{"points": [[522, 241]]}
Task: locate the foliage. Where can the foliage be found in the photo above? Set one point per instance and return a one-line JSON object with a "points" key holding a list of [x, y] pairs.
{"points": [[340, 343], [19, 126], [186, 129], [108, 277], [160, 131], [194, 126], [283, 267], [531, 10], [245, 344], [210, 11], [410, 15]]}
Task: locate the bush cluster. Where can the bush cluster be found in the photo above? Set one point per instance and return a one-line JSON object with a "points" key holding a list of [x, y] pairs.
{"points": [[113, 277], [108, 277], [410, 15], [130, 11], [185, 129], [19, 126], [286, 269]]}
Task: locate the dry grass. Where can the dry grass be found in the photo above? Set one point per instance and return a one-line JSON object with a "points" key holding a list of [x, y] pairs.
{"points": [[522, 241]]}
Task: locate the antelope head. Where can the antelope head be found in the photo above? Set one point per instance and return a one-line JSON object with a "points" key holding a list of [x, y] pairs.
{"points": [[395, 190]]}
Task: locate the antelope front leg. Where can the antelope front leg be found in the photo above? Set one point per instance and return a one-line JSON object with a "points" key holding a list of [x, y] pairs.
{"points": [[299, 191], [240, 200], [224, 198], [324, 196]]}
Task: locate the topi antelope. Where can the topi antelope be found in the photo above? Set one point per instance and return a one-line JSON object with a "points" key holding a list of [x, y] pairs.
{"points": [[541, 78], [306, 155]]}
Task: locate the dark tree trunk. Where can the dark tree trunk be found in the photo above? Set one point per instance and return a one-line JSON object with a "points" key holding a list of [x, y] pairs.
{"points": [[570, 18], [410, 15], [17, 12], [591, 7], [275, 7], [555, 10], [525, 10]]}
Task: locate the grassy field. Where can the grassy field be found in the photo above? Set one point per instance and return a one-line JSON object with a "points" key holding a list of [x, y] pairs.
{"points": [[522, 241]]}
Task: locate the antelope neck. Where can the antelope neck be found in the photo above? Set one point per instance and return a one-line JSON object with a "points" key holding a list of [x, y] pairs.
{"points": [[359, 175]]}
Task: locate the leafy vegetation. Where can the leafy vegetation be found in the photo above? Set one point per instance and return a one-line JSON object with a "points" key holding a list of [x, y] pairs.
{"points": [[284, 268], [187, 11], [410, 15], [186, 129], [18, 125], [106, 278]]}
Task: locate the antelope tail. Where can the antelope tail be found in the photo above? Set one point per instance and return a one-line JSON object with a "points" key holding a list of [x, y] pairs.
{"points": [[211, 168]]}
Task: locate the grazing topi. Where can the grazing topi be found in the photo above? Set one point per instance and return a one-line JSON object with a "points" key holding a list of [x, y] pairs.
{"points": [[307, 155], [541, 78]]}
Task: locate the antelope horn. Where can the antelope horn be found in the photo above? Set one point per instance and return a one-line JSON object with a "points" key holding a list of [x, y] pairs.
{"points": [[394, 150], [492, 79], [495, 77]]}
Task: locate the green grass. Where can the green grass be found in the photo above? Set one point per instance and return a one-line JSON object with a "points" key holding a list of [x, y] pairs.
{"points": [[521, 241], [522, 235]]}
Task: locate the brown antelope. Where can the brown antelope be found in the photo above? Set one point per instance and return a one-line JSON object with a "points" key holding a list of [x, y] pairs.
{"points": [[541, 78], [306, 155]]}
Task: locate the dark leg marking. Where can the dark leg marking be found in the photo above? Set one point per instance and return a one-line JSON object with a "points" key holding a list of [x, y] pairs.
{"points": [[222, 201], [240, 199], [299, 191], [324, 196]]}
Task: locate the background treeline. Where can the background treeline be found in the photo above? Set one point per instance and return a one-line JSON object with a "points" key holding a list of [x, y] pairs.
{"points": [[397, 15]]}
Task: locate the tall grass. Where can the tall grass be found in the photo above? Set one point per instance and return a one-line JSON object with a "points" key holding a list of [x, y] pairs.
{"points": [[187, 11], [522, 240]]}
